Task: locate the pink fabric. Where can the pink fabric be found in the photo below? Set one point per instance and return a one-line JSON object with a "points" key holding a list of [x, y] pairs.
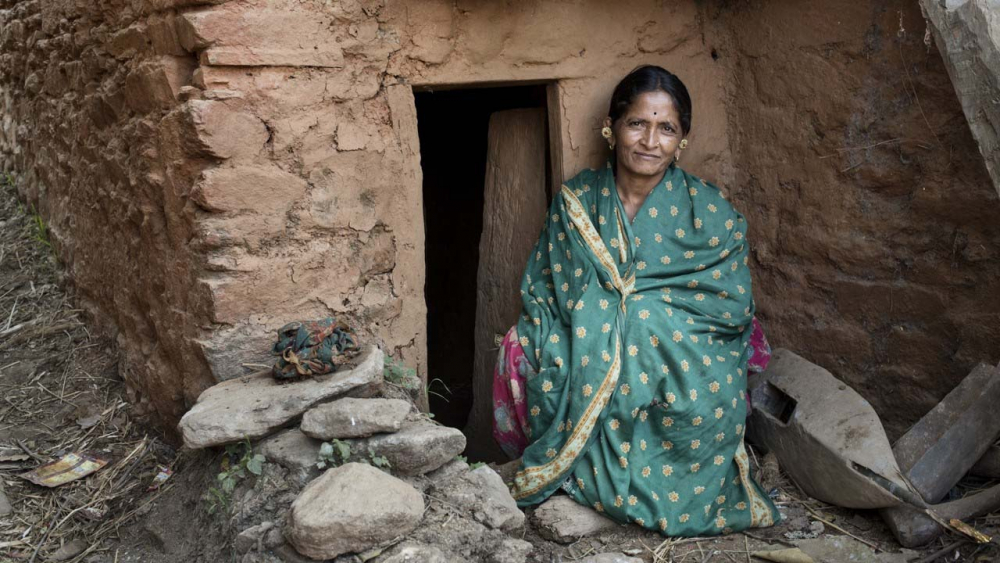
{"points": [[761, 350], [510, 410]]}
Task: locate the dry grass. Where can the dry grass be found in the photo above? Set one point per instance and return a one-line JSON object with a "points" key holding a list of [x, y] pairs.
{"points": [[60, 393]]}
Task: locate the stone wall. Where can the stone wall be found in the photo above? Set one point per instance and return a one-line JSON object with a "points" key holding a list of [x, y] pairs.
{"points": [[872, 216], [212, 172], [93, 130]]}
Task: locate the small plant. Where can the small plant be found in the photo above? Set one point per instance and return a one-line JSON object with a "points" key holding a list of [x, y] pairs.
{"points": [[398, 374], [238, 460], [40, 232], [379, 461], [333, 453], [444, 386], [463, 459], [337, 452]]}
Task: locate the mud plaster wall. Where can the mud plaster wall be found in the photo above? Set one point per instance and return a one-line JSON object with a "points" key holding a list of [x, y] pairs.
{"points": [[873, 219], [212, 172]]}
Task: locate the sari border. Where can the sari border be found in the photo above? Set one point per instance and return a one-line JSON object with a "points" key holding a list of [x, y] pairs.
{"points": [[527, 482], [592, 238], [532, 479], [760, 510]]}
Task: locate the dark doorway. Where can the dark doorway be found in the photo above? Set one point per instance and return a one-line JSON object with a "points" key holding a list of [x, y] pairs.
{"points": [[453, 126]]}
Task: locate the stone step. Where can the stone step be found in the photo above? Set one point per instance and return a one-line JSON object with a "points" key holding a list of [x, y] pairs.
{"points": [[256, 406], [352, 508], [562, 519], [483, 493], [354, 418], [418, 448]]}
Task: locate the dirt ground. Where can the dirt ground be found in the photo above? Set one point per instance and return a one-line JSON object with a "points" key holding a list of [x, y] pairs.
{"points": [[62, 393]]}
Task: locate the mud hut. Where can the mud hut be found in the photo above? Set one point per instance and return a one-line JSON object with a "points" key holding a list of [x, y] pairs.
{"points": [[213, 169]]}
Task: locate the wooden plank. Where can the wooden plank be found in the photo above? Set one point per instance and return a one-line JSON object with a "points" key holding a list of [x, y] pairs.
{"points": [[513, 212]]}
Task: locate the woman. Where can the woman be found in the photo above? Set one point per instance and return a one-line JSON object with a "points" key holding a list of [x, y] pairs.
{"points": [[634, 338]]}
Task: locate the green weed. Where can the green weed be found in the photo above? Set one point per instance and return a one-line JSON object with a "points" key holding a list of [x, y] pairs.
{"points": [[396, 373], [40, 231], [329, 452], [337, 452], [238, 461]]}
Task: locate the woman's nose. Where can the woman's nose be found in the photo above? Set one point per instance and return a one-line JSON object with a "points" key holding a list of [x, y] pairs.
{"points": [[649, 138]]}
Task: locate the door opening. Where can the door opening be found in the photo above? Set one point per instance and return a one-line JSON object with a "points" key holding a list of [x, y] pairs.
{"points": [[454, 127]]}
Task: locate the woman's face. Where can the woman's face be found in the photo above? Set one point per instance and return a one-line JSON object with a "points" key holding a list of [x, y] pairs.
{"points": [[648, 134]]}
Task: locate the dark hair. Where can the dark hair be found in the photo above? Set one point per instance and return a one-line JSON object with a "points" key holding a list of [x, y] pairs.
{"points": [[650, 78]]}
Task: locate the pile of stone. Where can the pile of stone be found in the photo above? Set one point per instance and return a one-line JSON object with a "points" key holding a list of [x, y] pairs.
{"points": [[400, 494]]}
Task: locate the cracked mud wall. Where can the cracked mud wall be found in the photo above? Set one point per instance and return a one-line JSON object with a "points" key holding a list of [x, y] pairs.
{"points": [[873, 220], [344, 235], [213, 170]]}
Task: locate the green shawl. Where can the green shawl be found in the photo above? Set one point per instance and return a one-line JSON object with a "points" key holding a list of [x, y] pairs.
{"points": [[638, 333]]}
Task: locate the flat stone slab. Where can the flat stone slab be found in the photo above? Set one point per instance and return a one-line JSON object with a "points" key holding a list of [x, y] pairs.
{"points": [[354, 418], [294, 451], [483, 493], [562, 519], [418, 448], [256, 406], [352, 508]]}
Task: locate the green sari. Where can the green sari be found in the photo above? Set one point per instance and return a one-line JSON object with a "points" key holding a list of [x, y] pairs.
{"points": [[638, 333]]}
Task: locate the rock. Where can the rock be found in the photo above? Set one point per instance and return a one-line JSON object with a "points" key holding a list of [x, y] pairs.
{"points": [[295, 451], [354, 418], [402, 384], [611, 558], [273, 538], [5, 508], [484, 493], [512, 550], [448, 471], [562, 519], [69, 550], [418, 448], [834, 549], [247, 188], [351, 508], [248, 539], [288, 554], [419, 553], [254, 407]]}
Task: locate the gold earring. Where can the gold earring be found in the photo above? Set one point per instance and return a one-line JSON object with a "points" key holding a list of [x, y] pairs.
{"points": [[684, 144], [607, 134]]}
